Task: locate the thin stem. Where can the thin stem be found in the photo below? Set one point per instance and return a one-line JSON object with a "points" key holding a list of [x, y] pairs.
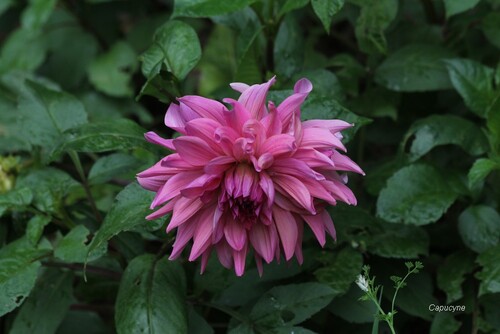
{"points": [[90, 268], [79, 168]]}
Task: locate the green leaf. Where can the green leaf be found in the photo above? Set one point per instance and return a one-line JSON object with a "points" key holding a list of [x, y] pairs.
{"points": [[129, 209], [112, 166], [72, 323], [16, 198], [289, 48], [151, 297], [120, 134], [176, 45], [439, 130], [479, 227], [340, 270], [491, 28], [37, 13], [73, 248], [35, 227], [290, 5], [24, 49], [490, 273], [326, 9], [444, 323], [474, 82], [417, 194], [207, 8], [451, 274], [198, 324], [19, 264], [324, 107], [415, 68], [453, 7], [290, 304], [351, 309], [325, 83], [374, 19], [480, 170], [45, 309], [401, 242], [44, 114], [112, 71]]}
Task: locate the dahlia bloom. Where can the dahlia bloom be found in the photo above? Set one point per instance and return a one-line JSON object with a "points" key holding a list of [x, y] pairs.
{"points": [[248, 177]]}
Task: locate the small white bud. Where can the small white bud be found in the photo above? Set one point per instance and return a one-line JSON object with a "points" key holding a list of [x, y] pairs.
{"points": [[362, 283]]}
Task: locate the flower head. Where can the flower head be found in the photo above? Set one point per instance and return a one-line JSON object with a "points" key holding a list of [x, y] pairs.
{"points": [[248, 177]]}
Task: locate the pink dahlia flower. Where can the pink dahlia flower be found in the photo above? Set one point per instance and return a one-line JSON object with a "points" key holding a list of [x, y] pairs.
{"points": [[248, 177]]}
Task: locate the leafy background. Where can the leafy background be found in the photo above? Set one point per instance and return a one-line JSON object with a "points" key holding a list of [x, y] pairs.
{"points": [[81, 81]]}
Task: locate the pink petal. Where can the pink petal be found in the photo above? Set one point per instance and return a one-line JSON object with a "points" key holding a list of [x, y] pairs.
{"points": [[271, 121], [219, 165], [200, 185], [239, 86], [264, 240], [184, 209], [204, 259], [317, 225], [267, 186], [203, 233], [294, 188], [327, 221], [194, 150], [278, 145], [156, 139], [295, 168], [258, 263], [225, 137], [184, 233], [239, 260], [237, 116], [154, 177], [173, 186], [333, 125], [287, 230], [205, 107], [254, 98], [343, 162], [174, 119], [291, 105], [167, 208], [204, 128], [298, 246], [313, 158], [340, 191], [224, 253], [235, 233], [321, 138], [174, 163]]}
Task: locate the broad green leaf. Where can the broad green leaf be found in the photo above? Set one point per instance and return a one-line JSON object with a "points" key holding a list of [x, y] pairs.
{"points": [[491, 28], [351, 309], [290, 304], [474, 82], [207, 8], [374, 19], [326, 9], [35, 227], [323, 107], [198, 324], [377, 102], [4, 5], [73, 248], [175, 45], [151, 297], [72, 323], [162, 86], [479, 227], [16, 198], [111, 166], [44, 114], [325, 83], [453, 7], [37, 13], [45, 309], [290, 5], [417, 194], [247, 36], [403, 242], [480, 170], [24, 49], [19, 264], [451, 274], [415, 68], [340, 270], [416, 296], [490, 273], [439, 130], [129, 209], [121, 134], [444, 323], [112, 71], [289, 48]]}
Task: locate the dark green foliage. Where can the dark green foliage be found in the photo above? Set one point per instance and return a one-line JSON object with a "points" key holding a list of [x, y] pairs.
{"points": [[82, 81]]}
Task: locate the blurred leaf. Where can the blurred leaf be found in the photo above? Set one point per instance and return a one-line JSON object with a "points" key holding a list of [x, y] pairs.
{"points": [[176, 45], [377, 102], [479, 227], [451, 274], [415, 68], [15, 198], [112, 71], [489, 304], [72, 323], [290, 304], [374, 19], [120, 134], [289, 48], [417, 194], [44, 114], [151, 297], [206, 8], [417, 295], [37, 13], [19, 264], [326, 9], [323, 107], [290, 5], [444, 323], [453, 7], [480, 170], [439, 130], [73, 248], [129, 209], [45, 309], [24, 49], [112, 166], [490, 273], [340, 270], [474, 82], [5, 5], [197, 324], [35, 227], [351, 309], [325, 83], [491, 28]]}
